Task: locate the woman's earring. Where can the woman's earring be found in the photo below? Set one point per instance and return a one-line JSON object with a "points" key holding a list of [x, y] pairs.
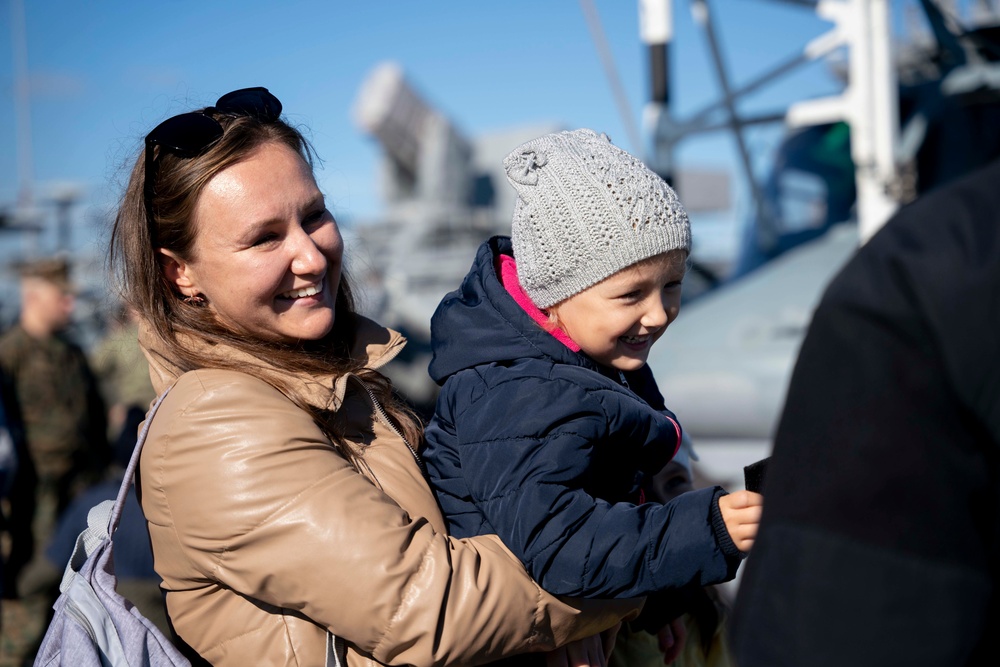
{"points": [[195, 300]]}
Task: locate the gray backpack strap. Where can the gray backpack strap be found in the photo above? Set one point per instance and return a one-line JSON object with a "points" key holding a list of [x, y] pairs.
{"points": [[102, 520]]}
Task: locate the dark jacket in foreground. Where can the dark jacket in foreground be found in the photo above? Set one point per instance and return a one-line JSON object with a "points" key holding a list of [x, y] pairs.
{"points": [[535, 443], [881, 527]]}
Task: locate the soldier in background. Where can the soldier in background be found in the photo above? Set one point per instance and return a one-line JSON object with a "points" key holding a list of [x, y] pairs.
{"points": [[57, 399], [123, 375]]}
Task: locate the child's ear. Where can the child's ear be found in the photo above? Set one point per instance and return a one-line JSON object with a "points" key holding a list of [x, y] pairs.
{"points": [[178, 272], [551, 318]]}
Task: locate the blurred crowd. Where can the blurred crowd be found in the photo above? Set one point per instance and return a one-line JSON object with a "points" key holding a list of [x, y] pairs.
{"points": [[68, 424]]}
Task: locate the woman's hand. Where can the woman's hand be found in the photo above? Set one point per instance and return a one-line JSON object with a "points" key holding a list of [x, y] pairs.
{"points": [[741, 513], [608, 638], [593, 651], [671, 640]]}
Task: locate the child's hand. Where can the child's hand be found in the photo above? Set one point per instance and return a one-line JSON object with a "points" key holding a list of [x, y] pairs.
{"points": [[741, 513]]}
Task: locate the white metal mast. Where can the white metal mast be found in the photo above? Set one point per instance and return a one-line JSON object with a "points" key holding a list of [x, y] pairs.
{"points": [[868, 104], [656, 29]]}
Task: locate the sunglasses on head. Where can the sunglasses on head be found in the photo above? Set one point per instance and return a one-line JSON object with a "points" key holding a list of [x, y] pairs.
{"points": [[190, 134]]}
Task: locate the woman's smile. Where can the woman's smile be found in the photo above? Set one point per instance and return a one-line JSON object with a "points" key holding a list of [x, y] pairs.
{"points": [[302, 292]]}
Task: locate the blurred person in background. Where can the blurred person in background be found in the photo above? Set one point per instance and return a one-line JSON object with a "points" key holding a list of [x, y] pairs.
{"points": [[880, 541], [54, 392], [123, 374]]}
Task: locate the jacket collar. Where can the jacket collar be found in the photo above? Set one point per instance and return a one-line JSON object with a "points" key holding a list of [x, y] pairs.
{"points": [[481, 323], [374, 346]]}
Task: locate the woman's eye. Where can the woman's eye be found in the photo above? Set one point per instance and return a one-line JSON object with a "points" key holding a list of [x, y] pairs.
{"points": [[265, 239], [316, 217], [674, 284]]}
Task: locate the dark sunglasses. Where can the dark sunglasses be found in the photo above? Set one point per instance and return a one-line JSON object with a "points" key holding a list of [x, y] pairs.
{"points": [[190, 134]]}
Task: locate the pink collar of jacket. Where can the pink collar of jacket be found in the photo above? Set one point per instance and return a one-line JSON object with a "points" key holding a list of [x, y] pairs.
{"points": [[508, 277]]}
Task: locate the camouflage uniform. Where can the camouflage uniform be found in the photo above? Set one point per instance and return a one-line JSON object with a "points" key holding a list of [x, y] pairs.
{"points": [[123, 374], [63, 416]]}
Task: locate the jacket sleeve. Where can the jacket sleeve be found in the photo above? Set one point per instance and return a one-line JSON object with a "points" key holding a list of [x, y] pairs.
{"points": [[277, 515], [528, 478]]}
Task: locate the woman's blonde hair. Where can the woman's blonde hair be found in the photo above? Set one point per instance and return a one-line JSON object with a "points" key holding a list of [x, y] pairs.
{"points": [[136, 266]]}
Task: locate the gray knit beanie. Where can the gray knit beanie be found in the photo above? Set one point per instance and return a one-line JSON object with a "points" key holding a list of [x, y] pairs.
{"points": [[585, 210]]}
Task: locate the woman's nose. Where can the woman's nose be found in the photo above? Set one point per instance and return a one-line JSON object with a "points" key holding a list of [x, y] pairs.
{"points": [[307, 258]]}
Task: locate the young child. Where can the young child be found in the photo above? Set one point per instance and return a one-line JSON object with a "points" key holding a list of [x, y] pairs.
{"points": [[549, 422]]}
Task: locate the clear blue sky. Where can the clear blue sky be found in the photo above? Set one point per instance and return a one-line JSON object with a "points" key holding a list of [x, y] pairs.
{"points": [[104, 72]]}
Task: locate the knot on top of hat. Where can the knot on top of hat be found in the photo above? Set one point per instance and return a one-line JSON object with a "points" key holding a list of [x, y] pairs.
{"points": [[524, 169]]}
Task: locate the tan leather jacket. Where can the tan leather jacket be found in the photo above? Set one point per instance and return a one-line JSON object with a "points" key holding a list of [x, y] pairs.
{"points": [[266, 537]]}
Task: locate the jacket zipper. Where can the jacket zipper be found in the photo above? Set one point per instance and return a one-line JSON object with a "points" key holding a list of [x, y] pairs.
{"points": [[642, 491], [621, 376], [384, 418]]}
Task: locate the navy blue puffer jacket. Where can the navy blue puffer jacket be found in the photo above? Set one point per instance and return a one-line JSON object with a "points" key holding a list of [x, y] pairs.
{"points": [[547, 449]]}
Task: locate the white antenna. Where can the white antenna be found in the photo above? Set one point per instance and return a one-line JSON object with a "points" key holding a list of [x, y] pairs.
{"points": [[868, 104], [656, 29]]}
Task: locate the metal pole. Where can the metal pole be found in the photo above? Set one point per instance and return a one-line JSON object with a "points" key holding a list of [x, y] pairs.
{"points": [[656, 31], [765, 226], [875, 124], [607, 60], [700, 118]]}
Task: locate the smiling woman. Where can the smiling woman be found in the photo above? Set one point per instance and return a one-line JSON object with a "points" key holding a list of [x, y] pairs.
{"points": [[281, 478]]}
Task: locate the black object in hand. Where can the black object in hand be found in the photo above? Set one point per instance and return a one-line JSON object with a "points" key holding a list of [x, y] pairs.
{"points": [[755, 474]]}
